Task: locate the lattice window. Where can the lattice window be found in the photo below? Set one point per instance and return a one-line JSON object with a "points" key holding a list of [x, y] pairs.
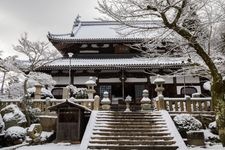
{"points": [[104, 88]]}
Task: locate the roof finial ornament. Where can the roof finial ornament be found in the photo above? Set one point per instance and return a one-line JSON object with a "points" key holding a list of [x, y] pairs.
{"points": [[75, 23]]}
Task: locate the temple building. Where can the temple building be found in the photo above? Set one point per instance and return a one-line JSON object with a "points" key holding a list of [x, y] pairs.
{"points": [[97, 49]]}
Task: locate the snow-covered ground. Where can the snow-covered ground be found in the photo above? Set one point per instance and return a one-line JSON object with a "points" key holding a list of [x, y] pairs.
{"points": [[68, 146], [52, 146], [207, 147]]}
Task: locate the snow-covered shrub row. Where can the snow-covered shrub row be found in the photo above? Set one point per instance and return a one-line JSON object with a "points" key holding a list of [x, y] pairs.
{"points": [[186, 122], [15, 135]]}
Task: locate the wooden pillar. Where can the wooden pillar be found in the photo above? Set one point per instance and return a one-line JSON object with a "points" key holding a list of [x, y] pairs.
{"points": [[123, 83]]}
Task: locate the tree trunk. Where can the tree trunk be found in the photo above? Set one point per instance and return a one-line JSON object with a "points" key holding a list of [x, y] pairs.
{"points": [[218, 90], [3, 82], [26, 102], [218, 85]]}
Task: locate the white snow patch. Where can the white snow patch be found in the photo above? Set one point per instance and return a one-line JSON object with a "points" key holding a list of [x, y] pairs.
{"points": [[45, 135], [207, 85], [208, 147], [52, 146], [208, 134]]}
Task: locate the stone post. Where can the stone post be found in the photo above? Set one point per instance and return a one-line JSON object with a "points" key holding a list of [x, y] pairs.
{"points": [[159, 89], [160, 102], [145, 101], [128, 100], [37, 94], [65, 93], [188, 103], [96, 102], [106, 101], [47, 104], [90, 87]]}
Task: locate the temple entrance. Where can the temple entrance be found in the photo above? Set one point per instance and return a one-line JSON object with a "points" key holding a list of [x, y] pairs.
{"points": [[116, 94]]}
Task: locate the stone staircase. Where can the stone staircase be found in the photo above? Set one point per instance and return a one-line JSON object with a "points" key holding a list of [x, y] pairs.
{"points": [[131, 131]]}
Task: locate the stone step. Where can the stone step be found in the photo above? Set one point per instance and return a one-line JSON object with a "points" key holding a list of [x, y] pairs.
{"points": [[134, 133], [130, 123], [131, 147], [128, 114], [131, 130], [118, 126], [165, 137], [132, 142], [128, 117]]}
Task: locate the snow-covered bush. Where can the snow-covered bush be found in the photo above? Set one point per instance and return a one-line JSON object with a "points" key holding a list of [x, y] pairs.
{"points": [[78, 93], [213, 127], [2, 124], [186, 122], [32, 112], [15, 135], [12, 116]]}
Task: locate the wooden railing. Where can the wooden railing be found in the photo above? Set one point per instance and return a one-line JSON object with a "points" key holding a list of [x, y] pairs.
{"points": [[187, 104]]}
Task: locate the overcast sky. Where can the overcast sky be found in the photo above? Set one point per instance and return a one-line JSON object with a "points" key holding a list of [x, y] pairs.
{"points": [[37, 17]]}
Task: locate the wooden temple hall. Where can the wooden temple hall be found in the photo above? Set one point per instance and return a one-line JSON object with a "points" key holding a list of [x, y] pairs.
{"points": [[95, 48]]}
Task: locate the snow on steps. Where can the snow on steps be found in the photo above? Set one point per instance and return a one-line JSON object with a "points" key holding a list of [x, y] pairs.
{"points": [[131, 130]]}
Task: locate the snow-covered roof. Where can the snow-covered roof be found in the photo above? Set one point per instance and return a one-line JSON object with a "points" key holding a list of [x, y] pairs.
{"points": [[68, 103], [108, 30], [116, 63]]}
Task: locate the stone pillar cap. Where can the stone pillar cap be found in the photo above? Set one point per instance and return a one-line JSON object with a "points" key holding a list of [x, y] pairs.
{"points": [[90, 82], [159, 80]]}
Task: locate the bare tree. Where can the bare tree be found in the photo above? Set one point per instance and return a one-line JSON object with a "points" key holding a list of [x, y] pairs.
{"points": [[190, 23], [37, 52]]}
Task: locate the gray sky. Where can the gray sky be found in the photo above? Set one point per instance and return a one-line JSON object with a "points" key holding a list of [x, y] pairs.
{"points": [[37, 17]]}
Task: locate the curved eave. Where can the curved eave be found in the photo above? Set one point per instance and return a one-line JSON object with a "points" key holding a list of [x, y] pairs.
{"points": [[95, 40], [113, 67]]}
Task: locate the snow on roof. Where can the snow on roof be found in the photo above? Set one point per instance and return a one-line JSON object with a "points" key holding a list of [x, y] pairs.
{"points": [[159, 62], [68, 103], [108, 30]]}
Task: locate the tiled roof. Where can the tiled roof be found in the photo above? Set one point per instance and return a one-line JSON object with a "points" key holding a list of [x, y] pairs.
{"points": [[119, 63], [109, 30]]}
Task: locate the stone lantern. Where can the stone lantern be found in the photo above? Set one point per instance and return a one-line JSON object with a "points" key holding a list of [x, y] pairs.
{"points": [[159, 89], [37, 94], [128, 100], [90, 87], [106, 101], [159, 85], [145, 101]]}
